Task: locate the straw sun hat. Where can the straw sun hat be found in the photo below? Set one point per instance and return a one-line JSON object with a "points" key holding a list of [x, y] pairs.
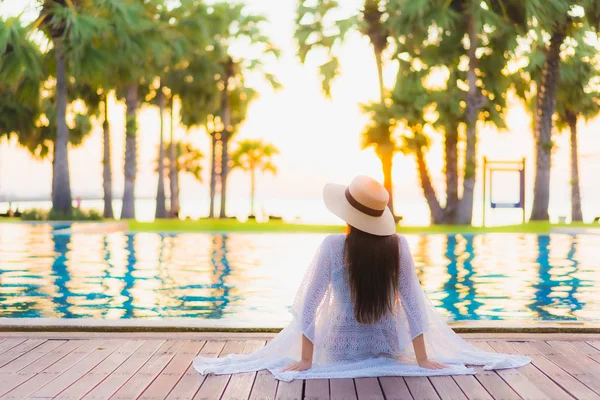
{"points": [[362, 204]]}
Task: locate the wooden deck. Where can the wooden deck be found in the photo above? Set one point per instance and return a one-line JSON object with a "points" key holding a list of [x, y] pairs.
{"points": [[158, 365]]}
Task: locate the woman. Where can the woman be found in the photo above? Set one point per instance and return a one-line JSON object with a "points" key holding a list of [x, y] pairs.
{"points": [[360, 310]]}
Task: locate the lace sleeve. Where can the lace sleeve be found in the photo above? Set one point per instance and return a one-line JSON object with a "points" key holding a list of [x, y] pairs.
{"points": [[411, 293], [313, 289]]}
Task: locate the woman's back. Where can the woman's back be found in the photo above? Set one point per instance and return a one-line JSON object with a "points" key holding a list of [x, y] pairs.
{"points": [[346, 338]]}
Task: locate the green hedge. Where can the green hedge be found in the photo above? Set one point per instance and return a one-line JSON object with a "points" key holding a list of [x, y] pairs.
{"points": [[76, 214]]}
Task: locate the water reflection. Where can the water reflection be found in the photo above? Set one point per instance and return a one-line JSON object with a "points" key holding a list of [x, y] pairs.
{"points": [[252, 278]]}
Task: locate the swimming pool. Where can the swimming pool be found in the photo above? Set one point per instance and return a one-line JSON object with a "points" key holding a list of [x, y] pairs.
{"points": [[250, 279]]}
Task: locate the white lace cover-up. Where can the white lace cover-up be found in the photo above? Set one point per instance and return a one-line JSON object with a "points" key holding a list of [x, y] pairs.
{"points": [[344, 348]]}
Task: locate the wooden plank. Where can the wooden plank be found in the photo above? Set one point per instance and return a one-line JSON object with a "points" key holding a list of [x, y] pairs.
{"points": [[145, 375], [100, 372], [368, 389], [9, 343], [447, 388], [587, 349], [492, 382], [214, 385], [189, 384], [594, 343], [533, 375], [394, 388], [240, 385], [63, 381], [170, 375], [55, 370], [31, 356], [554, 372], [9, 381], [342, 389], [265, 386], [19, 350], [125, 371], [585, 353], [470, 385], [518, 382], [421, 388], [316, 389], [290, 390], [582, 368]]}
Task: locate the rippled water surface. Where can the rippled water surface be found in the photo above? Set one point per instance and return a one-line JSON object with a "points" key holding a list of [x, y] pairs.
{"points": [[252, 278]]}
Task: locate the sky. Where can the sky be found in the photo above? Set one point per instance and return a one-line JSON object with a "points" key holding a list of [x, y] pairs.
{"points": [[318, 138]]}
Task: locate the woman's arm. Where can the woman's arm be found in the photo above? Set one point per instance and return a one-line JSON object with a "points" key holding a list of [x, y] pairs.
{"points": [[307, 355], [421, 355]]}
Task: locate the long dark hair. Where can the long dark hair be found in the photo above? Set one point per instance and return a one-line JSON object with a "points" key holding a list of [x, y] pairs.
{"points": [[373, 269]]}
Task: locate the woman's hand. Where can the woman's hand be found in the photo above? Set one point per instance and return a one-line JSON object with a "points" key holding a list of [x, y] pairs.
{"points": [[430, 364], [301, 365]]}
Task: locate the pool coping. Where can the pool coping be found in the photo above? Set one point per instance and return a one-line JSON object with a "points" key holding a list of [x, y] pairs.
{"points": [[191, 325]]}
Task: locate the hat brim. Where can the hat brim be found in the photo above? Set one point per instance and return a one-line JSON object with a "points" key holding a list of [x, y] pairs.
{"points": [[335, 201]]}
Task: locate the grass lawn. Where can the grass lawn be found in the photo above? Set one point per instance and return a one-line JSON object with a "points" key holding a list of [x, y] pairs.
{"points": [[206, 225]]}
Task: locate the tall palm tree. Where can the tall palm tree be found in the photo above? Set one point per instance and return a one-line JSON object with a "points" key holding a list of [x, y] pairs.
{"points": [[71, 27], [429, 40], [557, 25], [577, 98], [237, 25], [192, 80], [138, 59], [253, 155], [316, 29], [560, 20]]}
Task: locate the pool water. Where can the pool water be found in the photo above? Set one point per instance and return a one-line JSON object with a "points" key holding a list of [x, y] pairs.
{"points": [[251, 279]]}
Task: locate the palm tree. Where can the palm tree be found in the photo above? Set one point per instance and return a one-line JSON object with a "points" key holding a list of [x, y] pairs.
{"points": [[431, 39], [561, 19], [71, 27], [252, 155], [315, 29], [192, 80], [237, 25], [577, 98], [139, 55], [556, 26]]}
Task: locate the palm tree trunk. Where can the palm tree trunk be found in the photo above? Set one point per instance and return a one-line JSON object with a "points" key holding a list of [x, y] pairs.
{"points": [[436, 211], [387, 168], [576, 214], [379, 62], [451, 156], [546, 101], [161, 209], [173, 175], [106, 164], [252, 188], [226, 117], [213, 174], [130, 169], [386, 154], [61, 183], [474, 103], [224, 173]]}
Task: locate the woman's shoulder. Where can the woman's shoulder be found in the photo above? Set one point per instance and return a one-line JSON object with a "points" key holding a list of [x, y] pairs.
{"points": [[401, 239], [334, 239]]}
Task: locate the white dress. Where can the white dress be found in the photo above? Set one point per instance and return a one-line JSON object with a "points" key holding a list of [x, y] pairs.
{"points": [[344, 348]]}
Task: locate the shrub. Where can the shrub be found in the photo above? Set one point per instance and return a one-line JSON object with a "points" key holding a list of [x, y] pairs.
{"points": [[76, 214], [34, 215]]}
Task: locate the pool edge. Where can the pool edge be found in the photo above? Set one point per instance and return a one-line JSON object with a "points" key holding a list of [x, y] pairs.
{"points": [[175, 325]]}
